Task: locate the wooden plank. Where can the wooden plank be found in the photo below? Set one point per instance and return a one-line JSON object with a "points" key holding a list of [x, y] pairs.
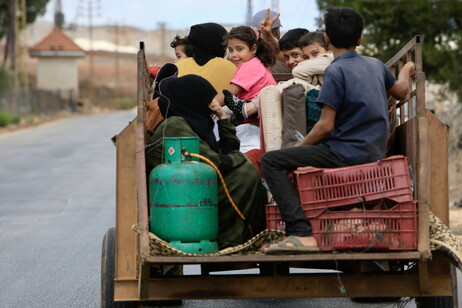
{"points": [[126, 289], [402, 53], [140, 141], [142, 195], [413, 138], [423, 187], [126, 198], [405, 144], [143, 280], [401, 112], [141, 187], [141, 83], [408, 97], [259, 258], [424, 281], [288, 286], [418, 54], [420, 95], [439, 198], [439, 182]]}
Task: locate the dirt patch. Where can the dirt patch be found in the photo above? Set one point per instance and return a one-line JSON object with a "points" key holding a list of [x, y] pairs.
{"points": [[34, 121]]}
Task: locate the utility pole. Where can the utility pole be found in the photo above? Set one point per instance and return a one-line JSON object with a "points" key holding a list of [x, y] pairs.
{"points": [[249, 12], [90, 32], [91, 9], [116, 55], [275, 5], [162, 27]]}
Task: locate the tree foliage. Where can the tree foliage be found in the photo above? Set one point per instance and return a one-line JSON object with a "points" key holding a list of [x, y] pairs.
{"points": [[34, 8], [392, 23]]}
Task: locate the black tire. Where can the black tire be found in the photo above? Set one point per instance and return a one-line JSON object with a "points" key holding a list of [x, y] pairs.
{"points": [[108, 272], [441, 301], [376, 299], [435, 302]]}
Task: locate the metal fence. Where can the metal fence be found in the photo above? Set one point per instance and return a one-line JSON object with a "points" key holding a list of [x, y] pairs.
{"points": [[26, 102]]}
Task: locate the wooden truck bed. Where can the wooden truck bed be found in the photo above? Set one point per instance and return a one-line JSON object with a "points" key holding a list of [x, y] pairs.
{"points": [[417, 134]]}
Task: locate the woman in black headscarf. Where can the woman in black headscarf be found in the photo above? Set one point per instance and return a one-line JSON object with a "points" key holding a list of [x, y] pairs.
{"points": [[186, 104], [206, 42]]}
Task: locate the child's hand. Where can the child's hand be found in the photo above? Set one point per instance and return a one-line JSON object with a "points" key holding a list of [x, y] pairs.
{"points": [[267, 24], [410, 67], [217, 110]]}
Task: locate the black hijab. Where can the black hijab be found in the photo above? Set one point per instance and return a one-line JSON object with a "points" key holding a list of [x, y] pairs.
{"points": [[189, 97], [207, 42]]}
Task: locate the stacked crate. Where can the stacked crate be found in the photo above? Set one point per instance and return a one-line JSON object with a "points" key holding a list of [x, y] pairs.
{"points": [[362, 207]]}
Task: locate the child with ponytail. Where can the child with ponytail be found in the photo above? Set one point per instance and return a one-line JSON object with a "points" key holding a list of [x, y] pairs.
{"points": [[252, 56]]}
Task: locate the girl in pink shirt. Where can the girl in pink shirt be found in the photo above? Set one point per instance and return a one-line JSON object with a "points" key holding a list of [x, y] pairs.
{"points": [[252, 56]]}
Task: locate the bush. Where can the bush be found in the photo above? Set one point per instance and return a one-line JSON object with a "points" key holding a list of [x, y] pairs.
{"points": [[4, 118], [15, 119]]}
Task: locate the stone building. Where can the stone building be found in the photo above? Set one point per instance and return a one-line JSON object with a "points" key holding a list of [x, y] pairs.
{"points": [[57, 64]]}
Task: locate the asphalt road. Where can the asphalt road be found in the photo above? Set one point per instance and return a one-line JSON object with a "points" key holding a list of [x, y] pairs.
{"points": [[57, 199], [57, 185]]}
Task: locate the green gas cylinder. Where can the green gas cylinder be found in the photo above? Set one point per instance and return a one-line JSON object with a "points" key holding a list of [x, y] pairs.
{"points": [[183, 198]]}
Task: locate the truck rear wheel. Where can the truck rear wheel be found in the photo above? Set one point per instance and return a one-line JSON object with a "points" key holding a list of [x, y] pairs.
{"points": [[441, 301], [108, 273], [435, 302]]}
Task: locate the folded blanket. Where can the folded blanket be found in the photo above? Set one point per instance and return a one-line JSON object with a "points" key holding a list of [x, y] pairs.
{"points": [[160, 247], [442, 243]]}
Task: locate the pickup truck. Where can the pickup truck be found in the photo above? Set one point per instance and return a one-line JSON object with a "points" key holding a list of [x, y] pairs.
{"points": [[130, 274]]}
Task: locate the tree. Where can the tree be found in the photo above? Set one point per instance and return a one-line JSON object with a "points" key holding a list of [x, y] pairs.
{"points": [[34, 8], [390, 24]]}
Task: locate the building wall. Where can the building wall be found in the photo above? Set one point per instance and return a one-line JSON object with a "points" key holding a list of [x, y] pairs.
{"points": [[58, 74]]}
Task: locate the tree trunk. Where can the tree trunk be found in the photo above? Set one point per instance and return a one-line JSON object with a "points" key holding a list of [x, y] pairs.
{"points": [[11, 36]]}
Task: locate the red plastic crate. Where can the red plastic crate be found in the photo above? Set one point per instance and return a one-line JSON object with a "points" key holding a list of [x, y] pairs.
{"points": [[273, 217], [366, 184], [361, 230], [393, 229]]}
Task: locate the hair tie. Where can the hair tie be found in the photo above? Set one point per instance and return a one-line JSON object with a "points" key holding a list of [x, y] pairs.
{"points": [[257, 33]]}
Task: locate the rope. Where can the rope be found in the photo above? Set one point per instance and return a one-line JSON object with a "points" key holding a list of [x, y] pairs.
{"points": [[187, 154]]}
